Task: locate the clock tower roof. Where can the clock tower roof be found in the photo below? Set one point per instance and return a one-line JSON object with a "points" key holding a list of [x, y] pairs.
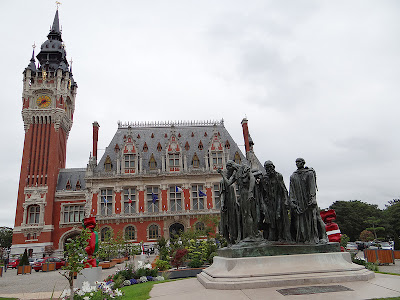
{"points": [[52, 53]]}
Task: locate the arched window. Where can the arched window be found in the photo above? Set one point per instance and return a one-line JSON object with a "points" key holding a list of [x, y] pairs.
{"points": [[105, 233], [130, 233], [154, 232], [33, 214], [199, 226]]}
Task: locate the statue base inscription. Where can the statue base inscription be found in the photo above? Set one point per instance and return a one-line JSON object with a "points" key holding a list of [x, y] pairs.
{"points": [[265, 248], [283, 270]]}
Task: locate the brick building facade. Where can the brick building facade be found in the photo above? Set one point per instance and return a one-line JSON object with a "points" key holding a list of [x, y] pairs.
{"points": [[153, 178]]}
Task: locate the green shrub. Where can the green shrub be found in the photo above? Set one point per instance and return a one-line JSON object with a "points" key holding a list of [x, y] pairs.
{"points": [[195, 263], [162, 265]]}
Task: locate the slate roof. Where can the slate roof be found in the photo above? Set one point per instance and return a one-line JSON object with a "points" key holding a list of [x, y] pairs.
{"points": [[155, 133], [73, 175]]}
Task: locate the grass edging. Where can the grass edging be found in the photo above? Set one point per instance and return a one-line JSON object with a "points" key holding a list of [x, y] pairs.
{"points": [[142, 291]]}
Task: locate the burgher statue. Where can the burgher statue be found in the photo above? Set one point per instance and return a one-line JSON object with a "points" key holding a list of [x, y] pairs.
{"points": [[306, 222], [230, 217], [93, 241], [274, 205], [245, 181]]}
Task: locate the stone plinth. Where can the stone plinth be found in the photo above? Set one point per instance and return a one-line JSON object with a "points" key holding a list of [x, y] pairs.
{"points": [[255, 249], [282, 270]]}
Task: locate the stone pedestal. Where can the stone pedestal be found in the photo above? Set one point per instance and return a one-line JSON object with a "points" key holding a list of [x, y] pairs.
{"points": [[282, 270], [90, 275], [266, 248]]}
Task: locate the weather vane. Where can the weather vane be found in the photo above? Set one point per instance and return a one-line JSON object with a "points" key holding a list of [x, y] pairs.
{"points": [[58, 4], [34, 45]]}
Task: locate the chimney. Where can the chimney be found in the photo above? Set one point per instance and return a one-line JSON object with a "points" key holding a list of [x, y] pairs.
{"points": [[246, 135], [95, 139]]}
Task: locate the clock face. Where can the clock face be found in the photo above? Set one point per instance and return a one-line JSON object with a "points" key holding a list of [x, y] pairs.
{"points": [[43, 101]]}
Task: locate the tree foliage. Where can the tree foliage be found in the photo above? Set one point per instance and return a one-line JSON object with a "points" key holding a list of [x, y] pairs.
{"points": [[6, 234], [76, 257], [351, 216], [366, 236], [391, 215]]}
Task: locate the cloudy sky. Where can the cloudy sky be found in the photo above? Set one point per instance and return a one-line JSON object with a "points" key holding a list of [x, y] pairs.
{"points": [[316, 79]]}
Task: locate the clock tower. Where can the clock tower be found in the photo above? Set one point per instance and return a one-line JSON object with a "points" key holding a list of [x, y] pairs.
{"points": [[48, 104]]}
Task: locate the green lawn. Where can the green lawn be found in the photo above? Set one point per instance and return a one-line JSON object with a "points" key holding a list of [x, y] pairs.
{"points": [[138, 291]]}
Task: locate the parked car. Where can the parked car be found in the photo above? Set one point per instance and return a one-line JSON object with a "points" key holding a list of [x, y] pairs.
{"points": [[351, 247], [13, 264], [33, 260], [381, 245], [37, 266]]}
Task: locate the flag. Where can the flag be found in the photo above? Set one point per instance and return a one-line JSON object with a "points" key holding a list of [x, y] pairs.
{"points": [[178, 189], [129, 200], [155, 198], [201, 194], [105, 200]]}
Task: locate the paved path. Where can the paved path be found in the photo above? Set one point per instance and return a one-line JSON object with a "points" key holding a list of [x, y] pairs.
{"points": [[40, 285]]}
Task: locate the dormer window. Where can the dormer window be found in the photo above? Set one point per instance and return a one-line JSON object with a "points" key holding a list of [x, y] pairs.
{"points": [[237, 158], [200, 146], [107, 164], [78, 185], [159, 148], [152, 162], [130, 163], [68, 186], [196, 161], [145, 148]]}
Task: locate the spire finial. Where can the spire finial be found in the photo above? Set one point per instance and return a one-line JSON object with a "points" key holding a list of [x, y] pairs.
{"points": [[58, 4]]}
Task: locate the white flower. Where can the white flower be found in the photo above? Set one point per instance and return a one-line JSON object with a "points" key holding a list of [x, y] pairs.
{"points": [[143, 279], [148, 266], [86, 298], [80, 292], [91, 294], [86, 288], [118, 292], [160, 278], [65, 293]]}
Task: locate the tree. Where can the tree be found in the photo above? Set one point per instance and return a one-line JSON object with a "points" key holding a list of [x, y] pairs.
{"points": [[374, 222], [49, 250], [366, 236], [6, 234], [351, 216], [24, 260], [76, 258], [391, 214]]}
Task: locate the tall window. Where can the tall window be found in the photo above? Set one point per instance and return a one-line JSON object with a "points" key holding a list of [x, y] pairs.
{"points": [[198, 194], [199, 226], [217, 196], [130, 233], [154, 232], [74, 213], [33, 214], [152, 199], [106, 202], [129, 161], [108, 164], [173, 160], [217, 158], [129, 200], [105, 233], [175, 198]]}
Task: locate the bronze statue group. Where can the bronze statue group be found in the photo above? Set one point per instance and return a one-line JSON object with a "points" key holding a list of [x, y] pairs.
{"points": [[262, 208]]}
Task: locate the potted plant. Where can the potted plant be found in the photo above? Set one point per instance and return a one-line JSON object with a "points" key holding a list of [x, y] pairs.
{"points": [[24, 267]]}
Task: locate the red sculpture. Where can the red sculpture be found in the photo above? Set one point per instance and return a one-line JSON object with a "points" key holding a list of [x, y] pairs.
{"points": [[93, 246], [332, 229]]}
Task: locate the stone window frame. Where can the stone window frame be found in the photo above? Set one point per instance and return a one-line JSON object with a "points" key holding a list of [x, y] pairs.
{"points": [[33, 210], [152, 162], [81, 212], [103, 231], [195, 198], [131, 159], [134, 232], [195, 161], [173, 198], [150, 206], [216, 195], [109, 204], [149, 230], [132, 207]]}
